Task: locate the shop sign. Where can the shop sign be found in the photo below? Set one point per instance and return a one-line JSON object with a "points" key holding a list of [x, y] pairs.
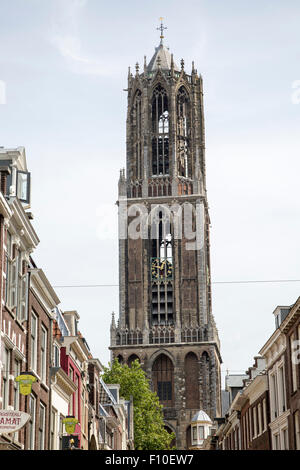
{"points": [[12, 421]]}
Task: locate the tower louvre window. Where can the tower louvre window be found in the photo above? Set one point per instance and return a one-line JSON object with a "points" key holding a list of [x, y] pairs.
{"points": [[161, 265], [183, 130], [160, 132]]}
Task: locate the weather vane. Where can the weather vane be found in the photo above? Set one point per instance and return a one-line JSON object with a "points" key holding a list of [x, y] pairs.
{"points": [[161, 28]]}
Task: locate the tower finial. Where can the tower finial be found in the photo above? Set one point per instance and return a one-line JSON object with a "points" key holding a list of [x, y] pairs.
{"points": [[161, 28]]}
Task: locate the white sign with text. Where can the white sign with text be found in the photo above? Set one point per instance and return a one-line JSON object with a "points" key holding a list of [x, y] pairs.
{"points": [[12, 421]]}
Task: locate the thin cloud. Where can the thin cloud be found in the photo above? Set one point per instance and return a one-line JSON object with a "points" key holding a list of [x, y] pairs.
{"points": [[65, 37]]}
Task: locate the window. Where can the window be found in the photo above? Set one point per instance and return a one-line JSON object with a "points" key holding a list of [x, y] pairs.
{"points": [[161, 265], [72, 397], [265, 414], [276, 442], [191, 367], [285, 440], [61, 430], [22, 290], [136, 121], [160, 132], [44, 354], [32, 421], [250, 425], [194, 433], [13, 279], [293, 364], [33, 341], [164, 391], [162, 373], [53, 429], [182, 148], [5, 377], [77, 397], [281, 389], [9, 261], [56, 356], [254, 421], [16, 285], [201, 432], [23, 186], [17, 372], [259, 419], [297, 429], [274, 397], [42, 423]]}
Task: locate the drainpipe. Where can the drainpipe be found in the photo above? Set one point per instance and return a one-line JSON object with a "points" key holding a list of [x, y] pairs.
{"points": [[27, 344], [50, 384]]}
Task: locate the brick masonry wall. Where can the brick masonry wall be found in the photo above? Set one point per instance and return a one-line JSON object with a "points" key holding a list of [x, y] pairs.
{"points": [[40, 389]]}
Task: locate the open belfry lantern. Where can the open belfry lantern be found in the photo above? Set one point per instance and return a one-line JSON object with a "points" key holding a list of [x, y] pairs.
{"points": [[25, 381], [70, 424]]}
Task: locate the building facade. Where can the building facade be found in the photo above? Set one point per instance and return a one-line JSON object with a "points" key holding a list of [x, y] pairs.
{"points": [[245, 425], [274, 352], [165, 314], [264, 404], [291, 328], [18, 240], [39, 339]]}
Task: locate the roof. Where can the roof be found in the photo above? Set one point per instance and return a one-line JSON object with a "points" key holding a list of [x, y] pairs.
{"points": [[201, 416], [161, 53], [235, 380]]}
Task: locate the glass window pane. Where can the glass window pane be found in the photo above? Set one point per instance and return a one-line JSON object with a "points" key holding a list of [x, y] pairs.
{"points": [[23, 186]]}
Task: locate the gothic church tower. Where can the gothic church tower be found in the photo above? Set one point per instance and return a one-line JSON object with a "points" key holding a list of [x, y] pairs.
{"points": [[165, 317]]}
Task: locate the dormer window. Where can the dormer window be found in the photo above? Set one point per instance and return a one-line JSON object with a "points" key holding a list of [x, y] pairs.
{"points": [[23, 186]]}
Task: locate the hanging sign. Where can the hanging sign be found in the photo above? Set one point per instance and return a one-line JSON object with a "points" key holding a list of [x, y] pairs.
{"points": [[25, 380], [12, 421], [70, 424]]}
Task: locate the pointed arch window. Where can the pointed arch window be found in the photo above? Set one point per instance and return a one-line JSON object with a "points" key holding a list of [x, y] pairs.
{"points": [[136, 121], [183, 133], [160, 132], [163, 380], [161, 265]]}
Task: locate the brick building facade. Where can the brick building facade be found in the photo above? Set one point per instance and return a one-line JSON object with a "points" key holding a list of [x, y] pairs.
{"points": [[265, 411], [36, 338]]}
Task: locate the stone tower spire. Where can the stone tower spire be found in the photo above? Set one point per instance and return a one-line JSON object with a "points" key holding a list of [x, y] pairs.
{"points": [[165, 317]]}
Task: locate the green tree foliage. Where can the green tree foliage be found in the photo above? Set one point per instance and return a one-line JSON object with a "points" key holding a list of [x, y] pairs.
{"points": [[149, 431]]}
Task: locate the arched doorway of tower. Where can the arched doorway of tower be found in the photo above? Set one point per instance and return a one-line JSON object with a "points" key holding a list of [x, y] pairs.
{"points": [[132, 358], [120, 359], [163, 380], [170, 431]]}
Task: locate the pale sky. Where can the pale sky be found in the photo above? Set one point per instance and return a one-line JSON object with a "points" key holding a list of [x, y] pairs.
{"points": [[63, 68]]}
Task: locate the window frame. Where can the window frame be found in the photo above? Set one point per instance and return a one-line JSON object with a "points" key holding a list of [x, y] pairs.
{"points": [[42, 426], [28, 181], [33, 342], [5, 377], [44, 351], [32, 421]]}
